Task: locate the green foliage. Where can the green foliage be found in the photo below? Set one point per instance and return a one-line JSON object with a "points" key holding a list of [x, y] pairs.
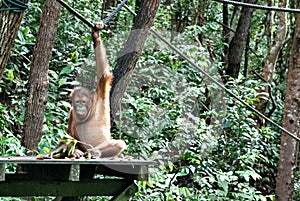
{"points": [[207, 145], [238, 166]]}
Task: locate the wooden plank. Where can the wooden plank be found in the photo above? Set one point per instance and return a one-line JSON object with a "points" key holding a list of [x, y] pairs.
{"points": [[132, 172], [53, 169], [52, 172], [41, 160], [104, 187], [42, 172], [65, 177]]}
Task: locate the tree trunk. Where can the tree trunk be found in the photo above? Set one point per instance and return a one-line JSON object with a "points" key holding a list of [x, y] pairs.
{"points": [[138, 3], [238, 43], [107, 4], [38, 76], [275, 44], [226, 31], [131, 52], [288, 147], [9, 23]]}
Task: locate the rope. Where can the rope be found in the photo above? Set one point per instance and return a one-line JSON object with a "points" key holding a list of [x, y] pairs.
{"points": [[74, 12], [236, 3], [15, 6], [156, 33], [87, 22], [108, 18]]}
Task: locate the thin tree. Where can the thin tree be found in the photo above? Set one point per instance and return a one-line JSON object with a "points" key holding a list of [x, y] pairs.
{"points": [[275, 43], [238, 42], [107, 4], [291, 121], [131, 51], [9, 23], [38, 76]]}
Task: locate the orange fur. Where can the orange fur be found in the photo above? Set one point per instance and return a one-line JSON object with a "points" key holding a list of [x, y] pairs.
{"points": [[94, 128], [104, 86]]}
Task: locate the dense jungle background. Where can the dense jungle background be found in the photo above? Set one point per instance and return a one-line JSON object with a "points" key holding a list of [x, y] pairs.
{"points": [[207, 145]]}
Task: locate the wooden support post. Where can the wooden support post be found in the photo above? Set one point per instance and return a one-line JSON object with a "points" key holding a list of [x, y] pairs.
{"points": [[2, 172], [143, 174], [74, 172]]}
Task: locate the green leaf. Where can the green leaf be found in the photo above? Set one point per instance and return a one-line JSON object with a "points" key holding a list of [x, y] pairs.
{"points": [[10, 75], [62, 81], [66, 70]]}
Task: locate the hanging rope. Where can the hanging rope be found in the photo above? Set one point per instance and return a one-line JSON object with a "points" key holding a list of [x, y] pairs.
{"points": [[87, 22], [15, 6], [74, 12], [156, 33], [107, 19], [271, 8]]}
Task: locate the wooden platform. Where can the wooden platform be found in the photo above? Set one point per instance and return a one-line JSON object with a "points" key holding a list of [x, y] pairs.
{"points": [[37, 176]]}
